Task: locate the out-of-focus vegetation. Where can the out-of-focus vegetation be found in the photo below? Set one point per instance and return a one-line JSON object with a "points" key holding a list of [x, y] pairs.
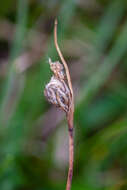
{"points": [[33, 134]]}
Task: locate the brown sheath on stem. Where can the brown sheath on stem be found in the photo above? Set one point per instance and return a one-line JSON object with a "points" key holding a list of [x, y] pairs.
{"points": [[70, 112]]}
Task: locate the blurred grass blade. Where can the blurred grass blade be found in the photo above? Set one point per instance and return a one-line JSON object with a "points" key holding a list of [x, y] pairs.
{"points": [[108, 25], [17, 46], [22, 14], [104, 71]]}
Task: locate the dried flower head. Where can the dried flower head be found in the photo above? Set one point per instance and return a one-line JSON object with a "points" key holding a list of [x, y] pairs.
{"points": [[57, 91], [58, 69]]}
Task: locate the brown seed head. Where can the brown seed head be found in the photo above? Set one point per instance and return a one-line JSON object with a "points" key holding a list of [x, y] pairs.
{"points": [[57, 91]]}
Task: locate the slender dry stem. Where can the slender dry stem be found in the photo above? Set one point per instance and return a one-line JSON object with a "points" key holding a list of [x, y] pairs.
{"points": [[69, 114]]}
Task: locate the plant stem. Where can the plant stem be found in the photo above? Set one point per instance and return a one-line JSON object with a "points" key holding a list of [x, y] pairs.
{"points": [[62, 58], [70, 113], [71, 152]]}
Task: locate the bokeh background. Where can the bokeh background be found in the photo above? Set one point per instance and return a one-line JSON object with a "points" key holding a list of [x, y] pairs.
{"points": [[92, 35]]}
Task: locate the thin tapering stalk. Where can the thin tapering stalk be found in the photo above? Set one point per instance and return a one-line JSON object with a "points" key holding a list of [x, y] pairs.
{"points": [[71, 154], [69, 114], [62, 58]]}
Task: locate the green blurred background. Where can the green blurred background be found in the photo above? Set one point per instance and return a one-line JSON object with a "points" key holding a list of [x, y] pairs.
{"points": [[92, 35]]}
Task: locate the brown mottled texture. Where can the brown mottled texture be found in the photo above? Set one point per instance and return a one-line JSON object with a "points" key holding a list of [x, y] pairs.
{"points": [[57, 91]]}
